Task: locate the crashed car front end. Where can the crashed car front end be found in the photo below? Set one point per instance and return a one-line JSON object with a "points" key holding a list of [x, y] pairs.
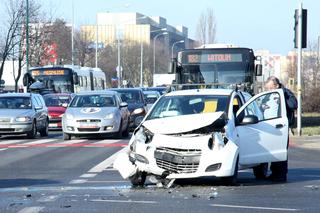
{"points": [[176, 153]]}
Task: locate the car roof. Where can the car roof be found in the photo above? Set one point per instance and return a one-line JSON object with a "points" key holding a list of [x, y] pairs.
{"points": [[151, 92], [226, 92], [15, 94], [124, 89], [98, 92], [58, 94]]}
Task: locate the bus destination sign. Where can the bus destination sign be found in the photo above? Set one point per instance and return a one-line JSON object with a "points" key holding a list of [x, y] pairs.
{"points": [[48, 72], [213, 58]]}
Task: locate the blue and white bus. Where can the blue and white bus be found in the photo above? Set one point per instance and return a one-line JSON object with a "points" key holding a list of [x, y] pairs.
{"points": [[65, 78]]}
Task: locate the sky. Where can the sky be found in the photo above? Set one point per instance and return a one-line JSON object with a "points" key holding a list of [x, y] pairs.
{"points": [[256, 24]]}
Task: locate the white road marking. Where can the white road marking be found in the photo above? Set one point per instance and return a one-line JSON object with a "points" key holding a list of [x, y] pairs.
{"points": [[88, 175], [50, 198], [63, 143], [3, 149], [106, 163], [107, 181], [41, 141], [78, 181], [34, 209], [126, 201], [108, 141], [253, 207], [11, 142]]}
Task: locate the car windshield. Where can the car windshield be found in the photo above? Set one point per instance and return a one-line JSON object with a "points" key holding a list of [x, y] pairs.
{"points": [[93, 101], [130, 96], [15, 103], [170, 106], [55, 101], [150, 98]]}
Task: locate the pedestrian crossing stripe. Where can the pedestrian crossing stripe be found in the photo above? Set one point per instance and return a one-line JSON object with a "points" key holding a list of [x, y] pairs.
{"points": [[56, 143]]}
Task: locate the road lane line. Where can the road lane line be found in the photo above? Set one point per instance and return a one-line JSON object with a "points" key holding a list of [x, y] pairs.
{"points": [[41, 141], [253, 207], [108, 181], [34, 209], [11, 142], [109, 141], [126, 201], [88, 175], [106, 163], [3, 149], [78, 181], [50, 198]]}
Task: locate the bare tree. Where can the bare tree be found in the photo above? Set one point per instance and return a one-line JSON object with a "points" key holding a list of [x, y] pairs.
{"points": [[206, 27], [11, 31]]}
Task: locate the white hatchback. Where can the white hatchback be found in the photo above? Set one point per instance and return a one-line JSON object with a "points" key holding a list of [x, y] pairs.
{"points": [[209, 132]]}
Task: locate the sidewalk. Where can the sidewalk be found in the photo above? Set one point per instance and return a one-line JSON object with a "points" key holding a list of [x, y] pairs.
{"points": [[307, 142]]}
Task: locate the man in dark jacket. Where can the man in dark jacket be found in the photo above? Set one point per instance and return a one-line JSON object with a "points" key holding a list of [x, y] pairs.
{"points": [[280, 169]]}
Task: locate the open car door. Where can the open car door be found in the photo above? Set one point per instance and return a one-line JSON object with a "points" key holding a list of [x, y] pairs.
{"points": [[262, 126]]}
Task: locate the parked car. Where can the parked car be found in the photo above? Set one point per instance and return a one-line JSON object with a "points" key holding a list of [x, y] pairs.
{"points": [[136, 104], [57, 104], [209, 132], [23, 113], [96, 113], [151, 97]]}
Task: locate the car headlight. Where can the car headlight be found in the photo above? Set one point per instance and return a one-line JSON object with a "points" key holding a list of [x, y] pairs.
{"points": [[109, 116], [138, 111], [60, 116], [69, 117], [23, 119]]}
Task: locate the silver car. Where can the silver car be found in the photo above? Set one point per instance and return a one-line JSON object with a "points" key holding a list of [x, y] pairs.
{"points": [[23, 113], [96, 113]]}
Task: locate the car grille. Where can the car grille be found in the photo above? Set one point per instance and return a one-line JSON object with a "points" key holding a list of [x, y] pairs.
{"points": [[177, 168], [89, 120], [6, 129], [88, 129], [178, 160]]}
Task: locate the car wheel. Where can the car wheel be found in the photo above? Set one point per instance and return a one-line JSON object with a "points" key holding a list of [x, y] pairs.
{"points": [[66, 136], [126, 132], [138, 179], [119, 133], [33, 132], [232, 180], [45, 131], [260, 171]]}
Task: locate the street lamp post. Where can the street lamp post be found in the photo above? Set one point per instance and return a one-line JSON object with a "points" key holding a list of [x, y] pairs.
{"points": [[154, 51], [177, 42], [27, 35]]}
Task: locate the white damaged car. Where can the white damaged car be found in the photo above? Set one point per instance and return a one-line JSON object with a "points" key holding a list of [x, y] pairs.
{"points": [[209, 132]]}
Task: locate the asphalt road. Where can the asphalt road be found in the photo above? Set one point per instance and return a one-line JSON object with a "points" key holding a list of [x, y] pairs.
{"points": [[52, 175]]}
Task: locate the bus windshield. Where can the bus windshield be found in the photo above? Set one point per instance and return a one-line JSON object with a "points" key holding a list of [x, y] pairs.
{"points": [[215, 73], [58, 84], [220, 66]]}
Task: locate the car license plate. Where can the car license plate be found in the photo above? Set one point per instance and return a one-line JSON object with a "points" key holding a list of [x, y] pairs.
{"points": [[53, 125], [89, 126]]}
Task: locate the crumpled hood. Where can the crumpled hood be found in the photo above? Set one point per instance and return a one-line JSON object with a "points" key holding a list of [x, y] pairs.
{"points": [[182, 124]]}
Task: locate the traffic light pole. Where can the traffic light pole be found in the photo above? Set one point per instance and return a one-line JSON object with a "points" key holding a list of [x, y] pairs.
{"points": [[299, 71]]}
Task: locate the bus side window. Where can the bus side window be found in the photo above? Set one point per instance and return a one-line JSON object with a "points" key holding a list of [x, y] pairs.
{"points": [[80, 81]]}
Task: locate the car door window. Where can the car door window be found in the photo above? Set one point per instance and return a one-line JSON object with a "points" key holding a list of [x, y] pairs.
{"points": [[265, 107]]}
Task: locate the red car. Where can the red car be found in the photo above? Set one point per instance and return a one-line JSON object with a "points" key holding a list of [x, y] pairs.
{"points": [[57, 104]]}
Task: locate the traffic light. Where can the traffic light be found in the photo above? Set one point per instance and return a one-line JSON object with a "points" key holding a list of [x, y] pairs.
{"points": [[304, 28]]}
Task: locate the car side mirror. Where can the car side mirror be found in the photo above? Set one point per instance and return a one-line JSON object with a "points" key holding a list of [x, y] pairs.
{"points": [[123, 104], [249, 119], [65, 105]]}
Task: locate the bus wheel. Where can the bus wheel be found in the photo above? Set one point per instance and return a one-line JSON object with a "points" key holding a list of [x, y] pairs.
{"points": [[66, 136]]}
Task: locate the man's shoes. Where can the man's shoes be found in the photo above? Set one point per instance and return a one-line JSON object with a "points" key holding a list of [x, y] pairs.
{"points": [[277, 178]]}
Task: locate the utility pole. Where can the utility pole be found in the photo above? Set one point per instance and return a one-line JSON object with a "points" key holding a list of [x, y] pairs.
{"points": [[27, 34]]}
